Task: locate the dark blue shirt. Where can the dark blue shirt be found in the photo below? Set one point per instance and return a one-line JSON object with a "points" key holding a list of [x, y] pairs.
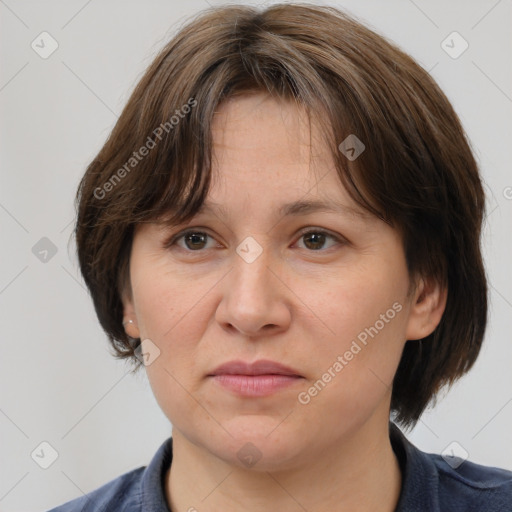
{"points": [[429, 484]]}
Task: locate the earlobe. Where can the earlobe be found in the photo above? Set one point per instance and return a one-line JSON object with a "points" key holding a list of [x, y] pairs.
{"points": [[427, 308], [131, 328], [130, 325]]}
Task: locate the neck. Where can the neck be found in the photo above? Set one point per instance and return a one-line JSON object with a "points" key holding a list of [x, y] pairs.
{"points": [[359, 474]]}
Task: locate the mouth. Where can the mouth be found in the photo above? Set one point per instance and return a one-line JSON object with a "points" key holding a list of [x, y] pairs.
{"points": [[261, 378]]}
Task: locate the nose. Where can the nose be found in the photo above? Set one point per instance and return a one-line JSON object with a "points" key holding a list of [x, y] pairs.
{"points": [[255, 299]]}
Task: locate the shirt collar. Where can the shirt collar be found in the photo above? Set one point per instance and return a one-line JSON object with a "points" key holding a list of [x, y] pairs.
{"points": [[153, 480], [419, 475]]}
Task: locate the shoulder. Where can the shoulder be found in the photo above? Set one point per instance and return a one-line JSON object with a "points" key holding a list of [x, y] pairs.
{"points": [[124, 493], [136, 491], [476, 486], [438, 484]]}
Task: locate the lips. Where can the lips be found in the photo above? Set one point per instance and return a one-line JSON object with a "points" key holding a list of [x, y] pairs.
{"points": [[257, 379], [261, 367]]}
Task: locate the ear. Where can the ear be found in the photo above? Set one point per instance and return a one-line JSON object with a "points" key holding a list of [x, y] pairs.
{"points": [[131, 327], [427, 308]]}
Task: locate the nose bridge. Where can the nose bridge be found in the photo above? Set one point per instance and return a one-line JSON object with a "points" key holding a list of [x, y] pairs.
{"points": [[252, 298], [251, 264]]}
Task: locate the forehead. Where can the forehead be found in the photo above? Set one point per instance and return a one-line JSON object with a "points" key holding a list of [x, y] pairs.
{"points": [[266, 127], [270, 149]]}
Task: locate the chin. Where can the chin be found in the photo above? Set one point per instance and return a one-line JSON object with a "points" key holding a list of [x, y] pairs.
{"points": [[258, 444]]}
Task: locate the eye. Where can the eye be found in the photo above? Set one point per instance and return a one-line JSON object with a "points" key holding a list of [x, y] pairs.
{"points": [[192, 240], [315, 239], [195, 240]]}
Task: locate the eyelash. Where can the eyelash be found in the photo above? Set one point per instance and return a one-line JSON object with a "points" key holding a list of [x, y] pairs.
{"points": [[319, 231]]}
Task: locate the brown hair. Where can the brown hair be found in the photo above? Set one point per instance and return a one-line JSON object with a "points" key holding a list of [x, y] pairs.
{"points": [[417, 172]]}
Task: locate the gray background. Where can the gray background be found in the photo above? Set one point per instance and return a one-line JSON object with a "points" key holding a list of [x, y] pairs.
{"points": [[58, 382]]}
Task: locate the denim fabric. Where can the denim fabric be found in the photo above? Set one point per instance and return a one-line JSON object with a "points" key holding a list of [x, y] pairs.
{"points": [[429, 484]]}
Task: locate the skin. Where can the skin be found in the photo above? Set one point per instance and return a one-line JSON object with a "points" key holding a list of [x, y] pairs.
{"points": [[301, 303]]}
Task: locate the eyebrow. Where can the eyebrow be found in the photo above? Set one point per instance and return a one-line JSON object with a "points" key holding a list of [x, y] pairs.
{"points": [[299, 208]]}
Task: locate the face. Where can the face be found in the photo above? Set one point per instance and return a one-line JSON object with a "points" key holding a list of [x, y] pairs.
{"points": [[323, 293]]}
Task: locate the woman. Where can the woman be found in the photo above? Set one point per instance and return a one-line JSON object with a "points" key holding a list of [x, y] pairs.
{"points": [[284, 229]]}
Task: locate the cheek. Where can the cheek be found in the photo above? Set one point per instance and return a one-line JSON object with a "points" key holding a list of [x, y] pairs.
{"points": [[176, 375], [171, 313], [166, 299], [363, 319], [357, 304], [354, 372], [175, 393]]}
